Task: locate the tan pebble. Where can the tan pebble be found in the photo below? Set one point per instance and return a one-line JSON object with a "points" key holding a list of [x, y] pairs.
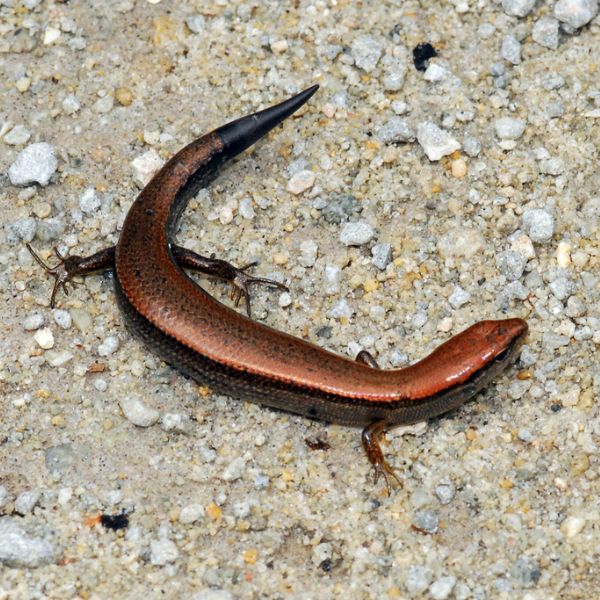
{"points": [[580, 465], [250, 556], [279, 47], [124, 96], [42, 210], [328, 110], [107, 424], [58, 421], [445, 325], [214, 512], [563, 255], [580, 258], [23, 84], [280, 259], [459, 168], [370, 285], [572, 526]]}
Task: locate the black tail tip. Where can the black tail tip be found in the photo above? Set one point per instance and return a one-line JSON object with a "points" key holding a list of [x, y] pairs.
{"points": [[242, 133]]}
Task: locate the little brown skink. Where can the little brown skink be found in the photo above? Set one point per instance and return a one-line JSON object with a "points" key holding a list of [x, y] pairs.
{"points": [[234, 355]]}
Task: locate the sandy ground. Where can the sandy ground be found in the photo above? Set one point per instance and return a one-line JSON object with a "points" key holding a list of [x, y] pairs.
{"points": [[387, 239]]}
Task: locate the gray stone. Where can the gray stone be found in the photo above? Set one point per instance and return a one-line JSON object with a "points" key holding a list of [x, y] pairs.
{"points": [[356, 233], [508, 128], [576, 13], [59, 458], [340, 208], [366, 52], [21, 230], [539, 225], [441, 588], [24, 547], [417, 580], [511, 49], [382, 255], [427, 521], [545, 32], [518, 8], [511, 264], [395, 131]]}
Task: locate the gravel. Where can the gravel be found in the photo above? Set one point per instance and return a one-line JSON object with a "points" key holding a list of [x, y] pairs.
{"points": [[23, 547], [34, 164], [436, 142]]}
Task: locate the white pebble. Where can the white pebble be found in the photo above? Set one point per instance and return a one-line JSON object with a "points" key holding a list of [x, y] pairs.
{"points": [[518, 8], [545, 32], [26, 501], [34, 164], [145, 166], [196, 23], [458, 297], [572, 526], [176, 422], [62, 318], [162, 552], [33, 322], [89, 201], [356, 233], [19, 549], [511, 49], [137, 412], [333, 276], [436, 72], [109, 346], [366, 52], [17, 136], [191, 513], [58, 359], [508, 128], [44, 338], [235, 469], [71, 104], [103, 105], [51, 34], [441, 588], [340, 310], [246, 208], [285, 299], [435, 141], [563, 254], [308, 253], [301, 181], [539, 225], [576, 13]]}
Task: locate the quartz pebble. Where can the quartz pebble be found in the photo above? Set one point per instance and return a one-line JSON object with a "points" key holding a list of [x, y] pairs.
{"points": [[191, 513], [458, 297], [137, 412], [20, 230], [301, 181], [340, 208], [539, 225], [395, 131], [576, 13], [436, 142], [25, 547], [511, 49], [17, 136], [33, 322], [26, 501], [518, 8], [308, 253], [145, 166], [508, 128], [366, 52], [89, 201], [441, 588], [162, 552], [426, 520], [62, 318], [109, 345], [176, 423], [417, 580], [572, 526], [356, 233], [44, 338], [382, 255], [545, 32], [34, 164]]}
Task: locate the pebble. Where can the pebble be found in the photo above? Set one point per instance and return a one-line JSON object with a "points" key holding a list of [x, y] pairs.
{"points": [[62, 318], [137, 412], [472, 146], [538, 224], [17, 136], [394, 78], [145, 166], [417, 580], [511, 264], [34, 164], [21, 230], [33, 322], [436, 142], [103, 105], [545, 32], [124, 96], [235, 469], [26, 501], [340, 208], [525, 571], [44, 338], [563, 254], [321, 552], [109, 345], [572, 526], [162, 552], [441, 588], [191, 513], [511, 49], [3, 496], [518, 8], [25, 548], [340, 310], [356, 233], [366, 51], [308, 253], [576, 13], [576, 308], [90, 201], [460, 242], [246, 209], [562, 288], [395, 131], [175, 423], [59, 458], [459, 168], [196, 23], [552, 166], [332, 278], [508, 128], [381, 255], [301, 181], [50, 229], [436, 72], [445, 492], [427, 521], [58, 359], [458, 297]]}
